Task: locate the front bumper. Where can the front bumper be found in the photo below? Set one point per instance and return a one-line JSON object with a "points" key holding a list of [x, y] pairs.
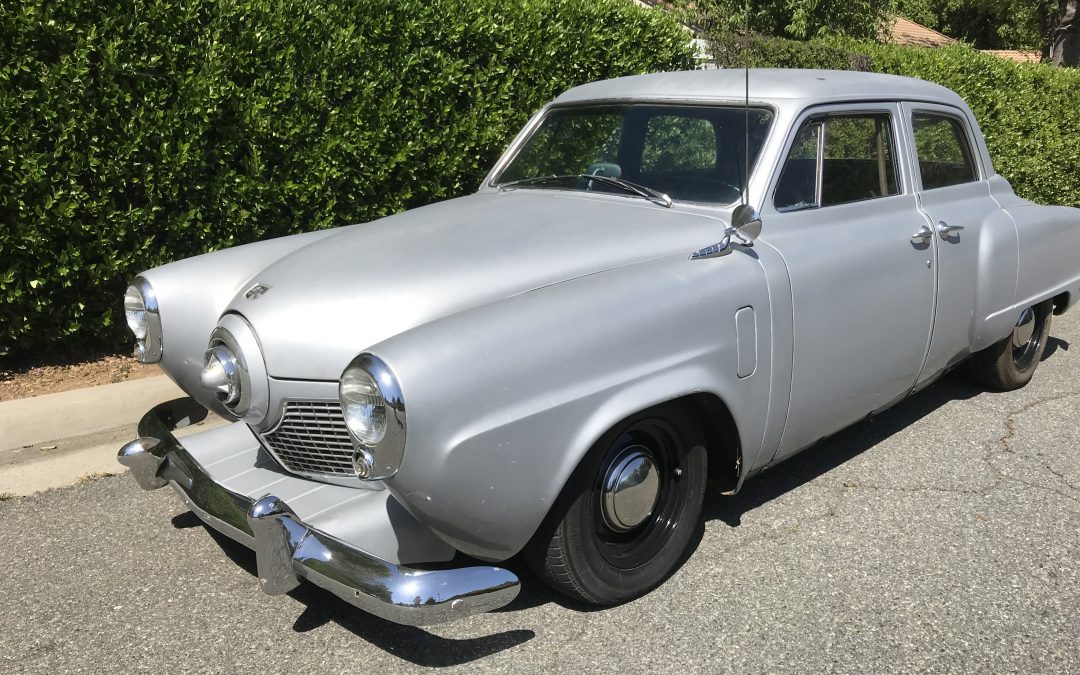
{"points": [[287, 549]]}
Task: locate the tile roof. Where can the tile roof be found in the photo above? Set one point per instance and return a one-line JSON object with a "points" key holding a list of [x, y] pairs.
{"points": [[907, 32], [1015, 55]]}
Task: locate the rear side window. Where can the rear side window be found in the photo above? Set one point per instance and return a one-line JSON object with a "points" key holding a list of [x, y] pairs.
{"points": [[943, 151], [839, 160]]}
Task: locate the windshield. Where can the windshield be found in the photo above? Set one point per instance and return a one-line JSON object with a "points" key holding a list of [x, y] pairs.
{"points": [[689, 153]]}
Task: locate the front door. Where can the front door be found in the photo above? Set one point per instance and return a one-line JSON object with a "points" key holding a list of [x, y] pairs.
{"points": [[860, 259]]}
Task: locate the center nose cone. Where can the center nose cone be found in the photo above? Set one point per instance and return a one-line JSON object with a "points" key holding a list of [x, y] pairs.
{"points": [[221, 375]]}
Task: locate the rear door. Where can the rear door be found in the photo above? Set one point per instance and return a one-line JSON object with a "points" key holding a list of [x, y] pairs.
{"points": [[860, 259], [956, 202]]}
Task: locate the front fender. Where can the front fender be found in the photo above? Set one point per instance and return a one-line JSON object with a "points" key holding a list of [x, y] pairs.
{"points": [[192, 294], [505, 399]]}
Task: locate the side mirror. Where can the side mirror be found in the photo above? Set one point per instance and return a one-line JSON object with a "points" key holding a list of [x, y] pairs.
{"points": [[745, 226], [746, 223]]}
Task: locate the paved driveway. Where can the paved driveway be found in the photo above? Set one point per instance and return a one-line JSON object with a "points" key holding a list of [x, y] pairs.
{"points": [[943, 535]]}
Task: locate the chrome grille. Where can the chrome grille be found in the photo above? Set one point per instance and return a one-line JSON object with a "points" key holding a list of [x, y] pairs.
{"points": [[312, 438]]}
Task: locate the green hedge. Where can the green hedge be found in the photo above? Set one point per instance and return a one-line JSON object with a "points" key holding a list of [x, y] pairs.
{"points": [[140, 131], [1028, 112]]}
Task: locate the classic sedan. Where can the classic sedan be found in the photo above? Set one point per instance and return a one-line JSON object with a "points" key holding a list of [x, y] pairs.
{"points": [[667, 282]]}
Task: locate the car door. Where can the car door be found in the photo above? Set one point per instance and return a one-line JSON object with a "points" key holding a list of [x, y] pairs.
{"points": [[860, 257], [956, 201]]}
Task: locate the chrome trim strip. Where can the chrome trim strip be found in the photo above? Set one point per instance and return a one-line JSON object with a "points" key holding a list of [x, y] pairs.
{"points": [[286, 549]]}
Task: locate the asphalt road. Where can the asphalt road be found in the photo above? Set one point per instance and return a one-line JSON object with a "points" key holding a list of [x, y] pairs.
{"points": [[943, 535]]}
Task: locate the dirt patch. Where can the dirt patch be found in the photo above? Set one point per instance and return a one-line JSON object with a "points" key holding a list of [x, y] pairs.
{"points": [[35, 379]]}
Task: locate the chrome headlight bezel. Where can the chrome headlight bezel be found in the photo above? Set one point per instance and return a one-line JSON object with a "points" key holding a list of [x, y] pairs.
{"points": [[235, 339], [378, 456], [148, 347]]}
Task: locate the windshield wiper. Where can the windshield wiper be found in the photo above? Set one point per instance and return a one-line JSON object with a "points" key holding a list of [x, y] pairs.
{"points": [[537, 180], [654, 196]]}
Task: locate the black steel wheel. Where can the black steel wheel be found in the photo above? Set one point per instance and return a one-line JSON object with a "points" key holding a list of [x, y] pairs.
{"points": [[1010, 363], [625, 518]]}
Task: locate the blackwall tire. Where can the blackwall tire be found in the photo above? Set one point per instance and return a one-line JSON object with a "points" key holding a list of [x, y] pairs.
{"points": [[1010, 363], [599, 545]]}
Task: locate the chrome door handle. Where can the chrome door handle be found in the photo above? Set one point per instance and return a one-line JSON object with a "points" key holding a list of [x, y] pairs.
{"points": [[945, 230], [923, 236]]}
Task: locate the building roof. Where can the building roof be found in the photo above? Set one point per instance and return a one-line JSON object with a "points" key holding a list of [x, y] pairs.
{"points": [[1015, 55], [766, 85], [906, 32]]}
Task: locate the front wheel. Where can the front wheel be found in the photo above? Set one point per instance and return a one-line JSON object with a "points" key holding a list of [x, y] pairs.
{"points": [[1010, 363], [627, 514]]}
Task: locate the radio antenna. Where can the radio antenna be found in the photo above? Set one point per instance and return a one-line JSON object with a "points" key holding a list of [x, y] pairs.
{"points": [[746, 113]]}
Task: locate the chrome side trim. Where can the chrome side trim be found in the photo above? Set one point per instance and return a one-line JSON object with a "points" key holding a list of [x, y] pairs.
{"points": [[287, 550]]}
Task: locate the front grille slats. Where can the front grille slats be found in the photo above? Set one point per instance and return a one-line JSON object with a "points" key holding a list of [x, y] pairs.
{"points": [[312, 438]]}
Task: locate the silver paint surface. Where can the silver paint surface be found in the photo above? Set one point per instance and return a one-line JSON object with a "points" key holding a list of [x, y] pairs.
{"points": [[522, 325]]}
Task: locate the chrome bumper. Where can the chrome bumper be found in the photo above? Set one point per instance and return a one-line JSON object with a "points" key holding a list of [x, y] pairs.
{"points": [[286, 549]]}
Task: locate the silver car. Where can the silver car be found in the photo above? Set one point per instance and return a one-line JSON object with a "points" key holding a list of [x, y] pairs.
{"points": [[667, 281]]}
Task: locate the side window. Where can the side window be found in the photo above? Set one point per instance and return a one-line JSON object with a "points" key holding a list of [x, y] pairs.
{"points": [[678, 143], [798, 182], [944, 154], [858, 163]]}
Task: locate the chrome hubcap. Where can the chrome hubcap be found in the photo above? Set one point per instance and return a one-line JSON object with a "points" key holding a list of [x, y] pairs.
{"points": [[631, 487], [1025, 327]]}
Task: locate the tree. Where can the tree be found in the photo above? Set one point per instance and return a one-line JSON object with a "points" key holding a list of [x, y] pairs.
{"points": [[1065, 36], [985, 24], [796, 19]]}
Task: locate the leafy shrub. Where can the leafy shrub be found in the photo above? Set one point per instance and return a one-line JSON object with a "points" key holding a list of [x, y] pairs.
{"points": [[137, 132], [733, 50], [1027, 111]]}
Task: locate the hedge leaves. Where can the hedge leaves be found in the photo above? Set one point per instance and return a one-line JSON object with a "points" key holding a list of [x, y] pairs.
{"points": [[137, 132]]}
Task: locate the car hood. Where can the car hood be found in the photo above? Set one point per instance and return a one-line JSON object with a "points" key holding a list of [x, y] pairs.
{"points": [[335, 298]]}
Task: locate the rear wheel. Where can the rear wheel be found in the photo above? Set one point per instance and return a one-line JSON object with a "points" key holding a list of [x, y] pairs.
{"points": [[1010, 363], [625, 518]]}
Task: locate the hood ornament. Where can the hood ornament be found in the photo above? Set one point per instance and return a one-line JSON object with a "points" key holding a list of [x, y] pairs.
{"points": [[256, 292]]}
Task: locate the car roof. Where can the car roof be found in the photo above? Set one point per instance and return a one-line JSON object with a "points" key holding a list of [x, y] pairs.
{"points": [[787, 85]]}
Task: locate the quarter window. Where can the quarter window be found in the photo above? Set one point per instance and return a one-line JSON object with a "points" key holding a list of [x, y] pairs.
{"points": [[944, 154], [838, 160]]}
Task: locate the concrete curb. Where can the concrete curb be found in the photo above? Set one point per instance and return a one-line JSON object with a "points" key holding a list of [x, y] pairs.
{"points": [[80, 412], [26, 478], [81, 431]]}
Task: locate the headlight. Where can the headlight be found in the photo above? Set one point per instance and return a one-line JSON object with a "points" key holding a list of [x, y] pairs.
{"points": [[363, 405], [374, 411], [141, 313], [135, 312]]}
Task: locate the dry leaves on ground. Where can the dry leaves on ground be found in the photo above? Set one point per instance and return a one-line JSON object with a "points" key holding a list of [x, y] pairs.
{"points": [[23, 382]]}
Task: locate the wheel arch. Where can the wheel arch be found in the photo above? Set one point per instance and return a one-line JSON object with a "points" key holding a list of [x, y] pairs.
{"points": [[723, 450]]}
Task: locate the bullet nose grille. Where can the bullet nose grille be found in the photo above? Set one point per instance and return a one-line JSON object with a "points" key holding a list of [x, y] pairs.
{"points": [[312, 438]]}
